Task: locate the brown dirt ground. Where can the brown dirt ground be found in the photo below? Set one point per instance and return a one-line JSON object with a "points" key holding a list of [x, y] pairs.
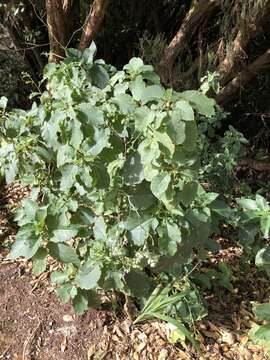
{"points": [[32, 322], [35, 325]]}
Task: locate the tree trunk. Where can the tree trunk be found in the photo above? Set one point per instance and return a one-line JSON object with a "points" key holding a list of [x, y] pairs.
{"points": [[93, 22], [62, 15], [250, 28], [262, 63], [255, 164], [198, 14]]}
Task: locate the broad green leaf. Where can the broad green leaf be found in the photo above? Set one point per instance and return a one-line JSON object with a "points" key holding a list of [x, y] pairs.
{"points": [[102, 179], [184, 158], [221, 208], [73, 292], [151, 93], [60, 277], [80, 302], [120, 89], [39, 261], [262, 260], [262, 311], [176, 128], [150, 171], [265, 226], [263, 257], [201, 228], [3, 102], [262, 203], [76, 134], [141, 197], [247, 234], [62, 235], [260, 335], [189, 193], [85, 177], [160, 184], [149, 151], [114, 280], [83, 216], [247, 204], [143, 117], [82, 219], [186, 112], [49, 70], [27, 243], [88, 277], [138, 227], [68, 178], [263, 334], [11, 172], [174, 232], [45, 154], [167, 246], [134, 65], [65, 155], [206, 198], [137, 87], [72, 205], [165, 140], [100, 231], [150, 76], [27, 213], [64, 292], [125, 102], [89, 114], [101, 140], [191, 132], [89, 53], [85, 299], [74, 54], [117, 77], [113, 168], [201, 102], [139, 284], [64, 253], [169, 237], [99, 76], [50, 134], [133, 170]]}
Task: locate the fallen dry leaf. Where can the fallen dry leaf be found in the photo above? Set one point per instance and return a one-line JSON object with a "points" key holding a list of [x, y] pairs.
{"points": [[63, 345]]}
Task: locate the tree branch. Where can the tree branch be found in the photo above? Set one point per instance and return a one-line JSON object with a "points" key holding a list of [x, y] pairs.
{"points": [[93, 22], [249, 29], [62, 16], [198, 14], [261, 64], [255, 164]]}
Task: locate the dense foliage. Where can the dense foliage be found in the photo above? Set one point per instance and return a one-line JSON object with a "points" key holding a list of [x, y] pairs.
{"points": [[117, 164]]}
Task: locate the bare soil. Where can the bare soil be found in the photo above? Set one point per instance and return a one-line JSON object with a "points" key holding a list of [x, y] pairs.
{"points": [[35, 325]]}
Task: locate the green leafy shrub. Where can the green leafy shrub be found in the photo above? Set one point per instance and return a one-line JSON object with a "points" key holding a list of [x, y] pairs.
{"points": [[113, 159]]}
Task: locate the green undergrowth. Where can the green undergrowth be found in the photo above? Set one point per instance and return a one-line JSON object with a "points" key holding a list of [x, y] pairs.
{"points": [[119, 168]]}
